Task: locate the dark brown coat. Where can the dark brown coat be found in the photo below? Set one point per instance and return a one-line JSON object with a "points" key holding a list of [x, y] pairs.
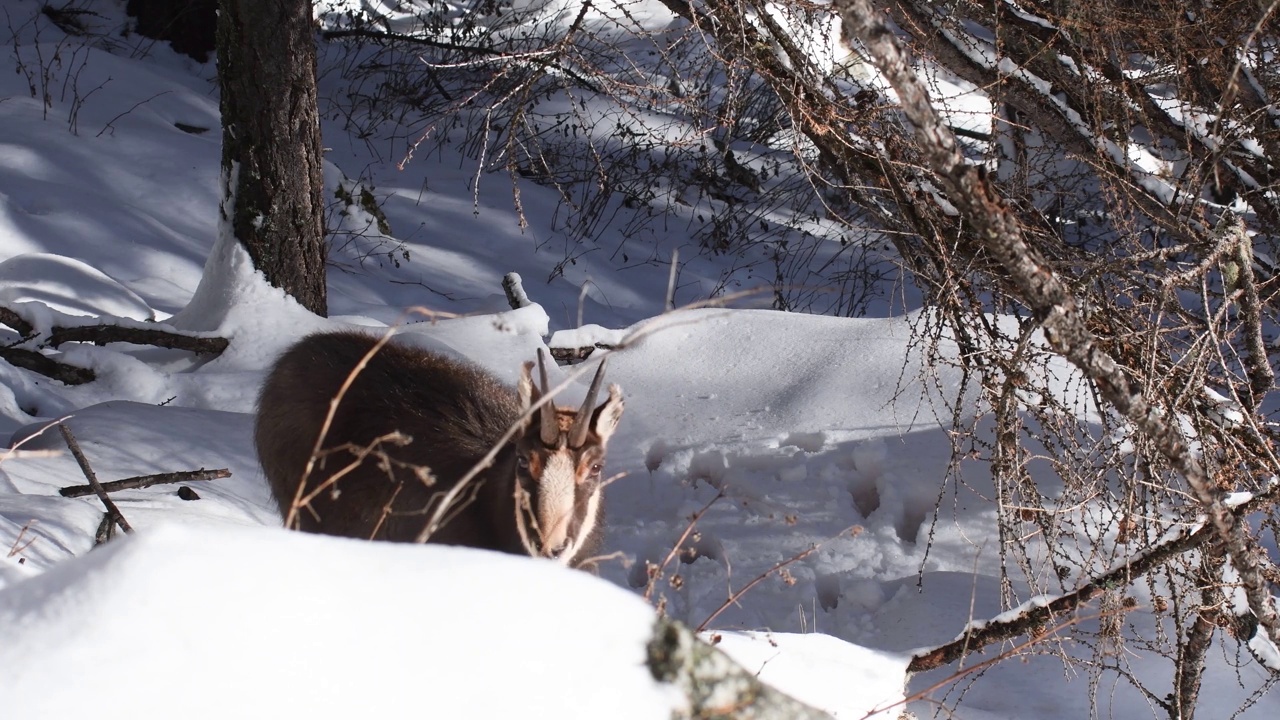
{"points": [[452, 411]]}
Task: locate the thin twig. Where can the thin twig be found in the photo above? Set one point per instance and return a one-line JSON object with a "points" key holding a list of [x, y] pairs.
{"points": [[737, 594], [358, 455], [16, 451], [671, 280], [447, 498], [18, 545], [675, 548], [386, 511], [140, 103], [291, 519]]}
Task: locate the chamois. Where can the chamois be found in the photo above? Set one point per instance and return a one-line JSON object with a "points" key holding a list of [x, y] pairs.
{"points": [[541, 496]]}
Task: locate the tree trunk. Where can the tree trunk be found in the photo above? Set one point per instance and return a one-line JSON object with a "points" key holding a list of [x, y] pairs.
{"points": [[271, 157]]}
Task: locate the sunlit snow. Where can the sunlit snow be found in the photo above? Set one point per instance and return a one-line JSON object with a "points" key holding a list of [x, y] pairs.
{"points": [[817, 430]]}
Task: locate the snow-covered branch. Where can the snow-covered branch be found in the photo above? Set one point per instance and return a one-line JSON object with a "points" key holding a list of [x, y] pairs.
{"points": [[45, 327], [1036, 613]]}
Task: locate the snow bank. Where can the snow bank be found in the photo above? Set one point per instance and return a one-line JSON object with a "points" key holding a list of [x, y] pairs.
{"points": [[229, 622]]}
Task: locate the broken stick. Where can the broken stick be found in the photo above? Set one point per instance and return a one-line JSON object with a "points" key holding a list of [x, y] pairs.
{"points": [[142, 481], [112, 510]]}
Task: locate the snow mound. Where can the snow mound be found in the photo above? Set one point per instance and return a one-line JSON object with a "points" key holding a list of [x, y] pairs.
{"points": [[233, 622], [68, 285], [847, 680]]}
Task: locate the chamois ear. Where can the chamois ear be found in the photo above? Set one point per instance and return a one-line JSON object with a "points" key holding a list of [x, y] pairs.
{"points": [[526, 391], [605, 419]]}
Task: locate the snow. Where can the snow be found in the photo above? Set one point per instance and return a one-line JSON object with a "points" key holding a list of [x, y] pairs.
{"points": [[818, 431], [274, 624], [1266, 650], [66, 285], [820, 670]]}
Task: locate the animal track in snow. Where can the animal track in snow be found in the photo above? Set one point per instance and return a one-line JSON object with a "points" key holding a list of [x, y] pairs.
{"points": [[861, 478], [656, 454], [809, 442], [783, 494]]}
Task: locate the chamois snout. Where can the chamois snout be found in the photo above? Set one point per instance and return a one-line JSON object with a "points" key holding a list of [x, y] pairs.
{"points": [[410, 427]]}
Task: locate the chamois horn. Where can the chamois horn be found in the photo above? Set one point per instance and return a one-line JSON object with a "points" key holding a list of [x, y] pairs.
{"points": [[549, 429], [578, 433]]}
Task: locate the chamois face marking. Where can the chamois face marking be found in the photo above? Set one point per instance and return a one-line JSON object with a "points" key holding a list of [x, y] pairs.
{"points": [[559, 463]]}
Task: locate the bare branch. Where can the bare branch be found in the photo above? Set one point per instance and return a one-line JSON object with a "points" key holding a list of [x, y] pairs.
{"points": [[1038, 285], [143, 481], [1035, 616], [656, 572], [737, 594], [1257, 364]]}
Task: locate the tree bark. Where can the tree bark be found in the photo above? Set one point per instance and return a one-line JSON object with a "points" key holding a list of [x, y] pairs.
{"points": [[713, 685], [271, 152]]}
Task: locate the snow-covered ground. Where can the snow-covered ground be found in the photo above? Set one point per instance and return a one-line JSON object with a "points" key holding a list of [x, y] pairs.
{"points": [[817, 430]]}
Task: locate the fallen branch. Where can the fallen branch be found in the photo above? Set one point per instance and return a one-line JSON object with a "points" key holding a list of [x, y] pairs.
{"points": [[106, 530], [15, 321], [143, 481], [103, 334], [98, 334], [575, 355], [1035, 617], [47, 366], [113, 512]]}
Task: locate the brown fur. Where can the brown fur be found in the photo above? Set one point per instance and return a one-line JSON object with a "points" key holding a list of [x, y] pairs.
{"points": [[454, 412]]}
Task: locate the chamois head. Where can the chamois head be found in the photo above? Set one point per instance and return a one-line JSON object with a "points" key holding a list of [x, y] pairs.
{"points": [[559, 461]]}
